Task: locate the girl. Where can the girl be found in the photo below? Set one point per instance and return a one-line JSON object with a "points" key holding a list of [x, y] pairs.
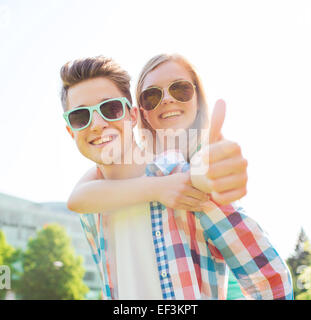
{"points": [[170, 95]]}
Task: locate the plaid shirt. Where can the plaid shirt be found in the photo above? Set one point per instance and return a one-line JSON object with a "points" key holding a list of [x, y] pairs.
{"points": [[195, 249]]}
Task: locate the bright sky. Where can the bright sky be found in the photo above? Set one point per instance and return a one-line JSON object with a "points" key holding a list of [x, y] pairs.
{"points": [[253, 54]]}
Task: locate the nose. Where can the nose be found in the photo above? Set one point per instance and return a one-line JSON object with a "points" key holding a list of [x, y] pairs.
{"points": [[167, 98], [98, 122]]}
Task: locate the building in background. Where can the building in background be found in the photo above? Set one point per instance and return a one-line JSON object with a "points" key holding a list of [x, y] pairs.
{"points": [[20, 219]]}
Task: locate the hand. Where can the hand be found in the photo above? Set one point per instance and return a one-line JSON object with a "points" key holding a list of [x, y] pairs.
{"points": [[223, 168], [227, 171], [176, 191]]}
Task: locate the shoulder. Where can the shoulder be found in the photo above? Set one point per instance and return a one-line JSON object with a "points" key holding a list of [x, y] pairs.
{"points": [[92, 174]]}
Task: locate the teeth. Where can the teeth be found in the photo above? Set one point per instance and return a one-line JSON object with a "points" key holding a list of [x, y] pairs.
{"points": [[102, 140], [170, 114]]}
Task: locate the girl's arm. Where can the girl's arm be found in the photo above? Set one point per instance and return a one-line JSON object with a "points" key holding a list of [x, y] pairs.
{"points": [[93, 194]]}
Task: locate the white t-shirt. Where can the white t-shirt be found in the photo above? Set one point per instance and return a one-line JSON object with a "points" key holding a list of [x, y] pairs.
{"points": [[132, 254]]}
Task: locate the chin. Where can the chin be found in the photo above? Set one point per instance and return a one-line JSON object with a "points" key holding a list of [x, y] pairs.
{"points": [[110, 160]]}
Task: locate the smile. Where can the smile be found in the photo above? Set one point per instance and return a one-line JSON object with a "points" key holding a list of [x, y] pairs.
{"points": [[101, 141], [170, 114]]}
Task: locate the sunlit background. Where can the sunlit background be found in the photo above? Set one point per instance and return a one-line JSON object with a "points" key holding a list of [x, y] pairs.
{"points": [[253, 54]]}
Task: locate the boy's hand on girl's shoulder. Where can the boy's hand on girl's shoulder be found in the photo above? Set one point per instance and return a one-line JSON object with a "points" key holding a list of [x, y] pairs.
{"points": [[176, 191]]}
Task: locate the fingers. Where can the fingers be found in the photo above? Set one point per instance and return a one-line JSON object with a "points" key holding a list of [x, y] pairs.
{"points": [[228, 197], [226, 176], [186, 203], [195, 203], [190, 204], [196, 194], [227, 167], [231, 182], [217, 120], [221, 150], [190, 199], [190, 208]]}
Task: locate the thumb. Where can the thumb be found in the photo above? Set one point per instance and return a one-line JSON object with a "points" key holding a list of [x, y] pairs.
{"points": [[217, 120]]}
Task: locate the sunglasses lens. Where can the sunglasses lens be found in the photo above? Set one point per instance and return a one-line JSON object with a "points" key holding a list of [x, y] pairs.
{"points": [[150, 98], [79, 118], [181, 91], [112, 109]]}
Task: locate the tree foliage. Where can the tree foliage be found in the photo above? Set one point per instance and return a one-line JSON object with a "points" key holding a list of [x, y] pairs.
{"points": [[52, 271], [9, 256], [299, 261], [305, 279], [6, 250]]}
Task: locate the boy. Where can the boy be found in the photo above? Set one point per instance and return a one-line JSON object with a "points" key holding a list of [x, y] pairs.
{"points": [[148, 251]]}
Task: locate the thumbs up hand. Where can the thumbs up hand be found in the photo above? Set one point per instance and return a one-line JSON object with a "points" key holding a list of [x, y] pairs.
{"points": [[217, 121], [226, 175]]}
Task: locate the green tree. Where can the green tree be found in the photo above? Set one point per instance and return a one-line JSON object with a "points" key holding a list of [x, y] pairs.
{"points": [[305, 279], [9, 256], [299, 260], [52, 271]]}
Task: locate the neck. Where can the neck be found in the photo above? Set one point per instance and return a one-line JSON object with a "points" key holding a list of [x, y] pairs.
{"points": [[122, 171]]}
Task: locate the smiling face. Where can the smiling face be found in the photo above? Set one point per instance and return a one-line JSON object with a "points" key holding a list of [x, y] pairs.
{"points": [[170, 113], [100, 134]]}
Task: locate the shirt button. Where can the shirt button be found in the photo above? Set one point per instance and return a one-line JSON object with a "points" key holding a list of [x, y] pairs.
{"points": [[163, 274], [158, 233]]}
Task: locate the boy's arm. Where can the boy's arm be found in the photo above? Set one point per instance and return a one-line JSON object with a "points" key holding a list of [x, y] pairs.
{"points": [[93, 194], [260, 271]]}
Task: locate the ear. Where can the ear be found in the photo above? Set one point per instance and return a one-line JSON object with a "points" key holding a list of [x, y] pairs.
{"points": [[70, 132], [144, 113], [134, 116]]}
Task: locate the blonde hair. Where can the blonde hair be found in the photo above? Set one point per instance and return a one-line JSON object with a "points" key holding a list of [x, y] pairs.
{"points": [[74, 72], [201, 120]]}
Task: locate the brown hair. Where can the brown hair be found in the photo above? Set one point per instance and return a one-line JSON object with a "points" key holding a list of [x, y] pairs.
{"points": [[201, 120], [74, 72]]}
